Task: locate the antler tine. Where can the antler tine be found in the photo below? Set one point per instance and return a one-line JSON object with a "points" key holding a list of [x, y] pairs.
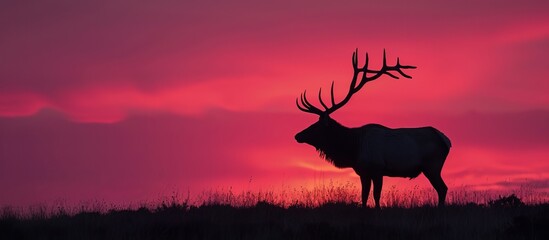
{"points": [[320, 99], [304, 101], [355, 59], [332, 94], [384, 60]]}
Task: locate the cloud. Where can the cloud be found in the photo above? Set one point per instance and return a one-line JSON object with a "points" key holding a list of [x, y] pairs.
{"points": [[20, 104]]}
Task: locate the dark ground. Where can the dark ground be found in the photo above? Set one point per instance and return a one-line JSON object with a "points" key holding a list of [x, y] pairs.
{"points": [[268, 221]]}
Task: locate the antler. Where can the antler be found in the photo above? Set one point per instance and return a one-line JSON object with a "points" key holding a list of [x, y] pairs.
{"points": [[306, 106]]}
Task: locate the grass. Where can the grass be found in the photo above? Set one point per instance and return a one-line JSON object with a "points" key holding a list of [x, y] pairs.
{"points": [[326, 212]]}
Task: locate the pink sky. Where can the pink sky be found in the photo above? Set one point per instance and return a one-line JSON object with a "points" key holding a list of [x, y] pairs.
{"points": [[128, 100]]}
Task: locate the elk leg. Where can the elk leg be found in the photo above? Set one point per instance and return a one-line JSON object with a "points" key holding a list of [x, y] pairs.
{"points": [[436, 180], [366, 182], [378, 182]]}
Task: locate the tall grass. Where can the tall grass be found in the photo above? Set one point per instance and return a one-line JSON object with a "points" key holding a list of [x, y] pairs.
{"points": [[349, 193], [308, 197], [329, 211]]}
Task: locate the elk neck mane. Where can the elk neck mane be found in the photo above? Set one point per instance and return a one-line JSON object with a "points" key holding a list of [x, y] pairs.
{"points": [[340, 146]]}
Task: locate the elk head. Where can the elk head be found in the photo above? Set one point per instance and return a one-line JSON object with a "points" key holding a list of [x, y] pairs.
{"points": [[327, 132]]}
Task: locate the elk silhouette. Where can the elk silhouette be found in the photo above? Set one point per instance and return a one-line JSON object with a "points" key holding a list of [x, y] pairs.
{"points": [[373, 150]]}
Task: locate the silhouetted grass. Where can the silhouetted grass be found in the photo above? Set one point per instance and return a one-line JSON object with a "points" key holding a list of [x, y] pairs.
{"points": [[328, 213]]}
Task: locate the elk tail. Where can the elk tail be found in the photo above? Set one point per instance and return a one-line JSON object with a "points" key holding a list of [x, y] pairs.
{"points": [[444, 138]]}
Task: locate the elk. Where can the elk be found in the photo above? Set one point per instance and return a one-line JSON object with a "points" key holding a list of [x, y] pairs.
{"points": [[373, 150]]}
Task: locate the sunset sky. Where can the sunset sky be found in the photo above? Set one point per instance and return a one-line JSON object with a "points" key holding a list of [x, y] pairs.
{"points": [[126, 101]]}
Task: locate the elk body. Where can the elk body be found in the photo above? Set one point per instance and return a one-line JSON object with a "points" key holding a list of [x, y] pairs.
{"points": [[373, 150]]}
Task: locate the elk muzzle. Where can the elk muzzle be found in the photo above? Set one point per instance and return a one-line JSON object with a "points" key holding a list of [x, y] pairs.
{"points": [[299, 137]]}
